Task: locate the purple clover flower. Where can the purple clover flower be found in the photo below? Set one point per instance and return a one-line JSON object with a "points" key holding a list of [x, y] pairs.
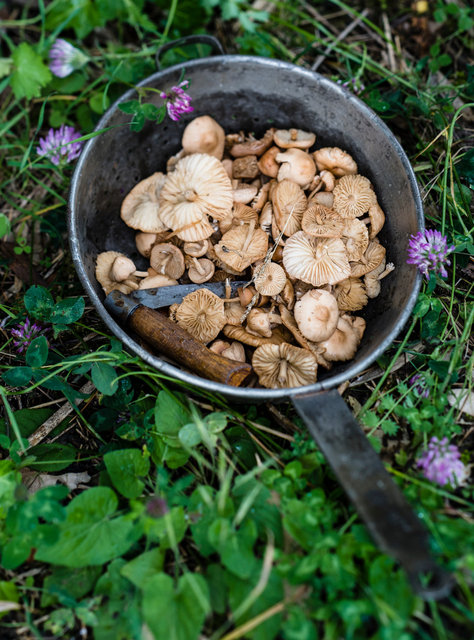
{"points": [[418, 384], [177, 101], [429, 250], [64, 58], [59, 145], [441, 463], [25, 333]]}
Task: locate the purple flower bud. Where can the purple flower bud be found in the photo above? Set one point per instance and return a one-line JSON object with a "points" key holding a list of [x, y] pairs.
{"points": [[429, 250], [25, 333], [177, 101], [59, 145], [64, 58], [156, 507], [418, 384], [441, 463]]}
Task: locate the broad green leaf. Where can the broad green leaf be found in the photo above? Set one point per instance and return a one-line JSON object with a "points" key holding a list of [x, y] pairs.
{"points": [[142, 568], [68, 585], [131, 106], [4, 225], [176, 613], [67, 311], [39, 302], [37, 352], [189, 435], [168, 529], [170, 415], [150, 111], [104, 378], [5, 69], [52, 456], [30, 73], [90, 535], [125, 468], [17, 376], [235, 546]]}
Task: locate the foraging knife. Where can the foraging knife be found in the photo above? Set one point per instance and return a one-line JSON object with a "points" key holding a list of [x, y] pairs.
{"points": [[165, 296], [137, 312]]}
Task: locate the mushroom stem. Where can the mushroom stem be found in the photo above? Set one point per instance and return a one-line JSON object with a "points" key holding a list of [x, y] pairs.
{"points": [[248, 239], [388, 269], [198, 267], [274, 318], [282, 375], [140, 274]]}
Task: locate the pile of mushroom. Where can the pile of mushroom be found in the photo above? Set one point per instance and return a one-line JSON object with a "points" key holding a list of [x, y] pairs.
{"points": [[301, 227]]}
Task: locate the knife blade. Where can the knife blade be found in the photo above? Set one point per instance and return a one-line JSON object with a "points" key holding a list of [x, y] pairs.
{"points": [[165, 296]]}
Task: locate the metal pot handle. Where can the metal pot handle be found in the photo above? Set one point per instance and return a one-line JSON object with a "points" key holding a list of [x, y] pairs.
{"points": [[217, 48], [379, 501]]}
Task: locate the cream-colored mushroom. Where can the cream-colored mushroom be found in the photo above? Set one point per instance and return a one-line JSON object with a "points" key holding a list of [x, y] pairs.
{"points": [[155, 280], [235, 351], [317, 261], [342, 344], [289, 204], [266, 216], [218, 346], [270, 279], [282, 366], [200, 271], [140, 208], [335, 160], [244, 193], [103, 269], [204, 135], [356, 238], [373, 256], [325, 198], [235, 332], [242, 246], [316, 315], [294, 138], [202, 314], [259, 322], [123, 268], [351, 294], [297, 166], [261, 198], [196, 249], [321, 222], [372, 278], [267, 163], [167, 259], [377, 220], [353, 196], [144, 243]]}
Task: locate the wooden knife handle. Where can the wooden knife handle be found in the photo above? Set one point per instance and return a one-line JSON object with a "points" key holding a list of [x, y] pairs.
{"points": [[176, 343]]}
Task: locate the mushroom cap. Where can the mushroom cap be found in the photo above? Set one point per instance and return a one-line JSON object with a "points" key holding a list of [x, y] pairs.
{"points": [[218, 346], [266, 216], [204, 135], [244, 193], [201, 313], [351, 294], [197, 188], [267, 163], [317, 261], [270, 279], [353, 196], [196, 249], [239, 250], [289, 203], [103, 268], [157, 280], [282, 366], [167, 259], [234, 313], [328, 180], [357, 323], [261, 198], [294, 138], [356, 238], [297, 166], [342, 344], [259, 322], [373, 256], [144, 243], [122, 268], [326, 198], [240, 214], [335, 160], [202, 271], [140, 208], [316, 315], [377, 219], [322, 222], [245, 167], [235, 351]]}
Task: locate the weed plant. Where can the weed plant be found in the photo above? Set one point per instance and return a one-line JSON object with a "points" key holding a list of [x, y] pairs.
{"points": [[135, 507]]}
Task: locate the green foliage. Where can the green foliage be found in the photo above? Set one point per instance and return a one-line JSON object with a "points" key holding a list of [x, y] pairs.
{"points": [[30, 74], [126, 467]]}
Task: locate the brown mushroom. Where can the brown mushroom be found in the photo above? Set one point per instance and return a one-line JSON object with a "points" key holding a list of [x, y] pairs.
{"points": [[242, 246], [202, 314], [282, 366], [103, 269], [228, 164], [144, 243], [315, 260], [259, 322], [140, 208], [265, 220], [289, 204], [357, 323], [377, 220], [218, 346], [245, 167], [287, 295], [244, 193], [267, 163], [196, 249], [252, 146], [294, 138], [240, 214], [167, 259], [238, 333], [325, 198], [322, 222], [335, 160], [316, 315], [351, 294], [372, 279], [154, 280], [373, 256], [353, 196], [342, 344], [328, 180], [123, 268], [204, 135], [296, 165], [200, 271], [270, 279], [261, 198], [198, 188], [235, 351]]}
